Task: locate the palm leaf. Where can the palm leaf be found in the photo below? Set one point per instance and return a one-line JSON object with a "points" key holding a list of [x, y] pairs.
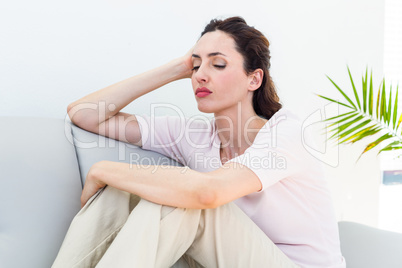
{"points": [[341, 115], [335, 101], [370, 99], [383, 104], [395, 110], [361, 122], [376, 142], [344, 119], [399, 122], [343, 93], [364, 91], [354, 89], [389, 106], [378, 104], [392, 146], [365, 132], [339, 129], [351, 130]]}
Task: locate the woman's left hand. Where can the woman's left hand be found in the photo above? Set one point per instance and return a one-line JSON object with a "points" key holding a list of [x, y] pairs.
{"points": [[92, 185]]}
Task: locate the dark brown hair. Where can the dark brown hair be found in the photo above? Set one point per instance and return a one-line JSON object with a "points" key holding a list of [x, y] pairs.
{"points": [[254, 47]]}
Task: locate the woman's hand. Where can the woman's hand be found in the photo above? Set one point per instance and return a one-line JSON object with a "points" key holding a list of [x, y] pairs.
{"points": [[92, 184], [186, 64], [188, 61]]}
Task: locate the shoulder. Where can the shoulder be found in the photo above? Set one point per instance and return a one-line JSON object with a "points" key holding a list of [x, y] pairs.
{"points": [[283, 129], [285, 119], [284, 139]]}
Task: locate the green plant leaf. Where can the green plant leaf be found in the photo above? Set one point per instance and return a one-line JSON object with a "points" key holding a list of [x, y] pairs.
{"points": [[341, 115], [343, 119], [399, 122], [335, 101], [364, 119], [371, 95], [389, 112], [382, 104], [354, 89], [337, 130], [359, 126], [365, 132], [392, 146], [343, 93], [376, 142], [368, 133], [378, 104], [364, 92], [395, 110]]}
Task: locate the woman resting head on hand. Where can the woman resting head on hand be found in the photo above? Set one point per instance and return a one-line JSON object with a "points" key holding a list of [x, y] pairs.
{"points": [[265, 204]]}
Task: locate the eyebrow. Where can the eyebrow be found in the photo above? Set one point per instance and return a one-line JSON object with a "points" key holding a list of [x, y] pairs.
{"points": [[210, 55]]}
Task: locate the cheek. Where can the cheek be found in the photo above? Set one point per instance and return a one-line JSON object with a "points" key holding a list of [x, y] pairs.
{"points": [[193, 82], [233, 81], [226, 79]]}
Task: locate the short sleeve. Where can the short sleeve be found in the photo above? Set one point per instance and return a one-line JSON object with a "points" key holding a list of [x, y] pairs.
{"points": [[277, 152]]}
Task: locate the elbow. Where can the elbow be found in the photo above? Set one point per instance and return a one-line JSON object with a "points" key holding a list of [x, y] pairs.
{"points": [[71, 112], [80, 115], [207, 197]]}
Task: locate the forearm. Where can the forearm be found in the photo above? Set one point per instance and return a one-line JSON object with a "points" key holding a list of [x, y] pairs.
{"points": [[101, 105], [166, 185]]}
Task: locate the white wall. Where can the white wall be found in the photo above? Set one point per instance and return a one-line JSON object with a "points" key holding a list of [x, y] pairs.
{"points": [[52, 53]]}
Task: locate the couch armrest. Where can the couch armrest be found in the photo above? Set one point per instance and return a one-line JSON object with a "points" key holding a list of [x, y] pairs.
{"points": [[40, 190]]}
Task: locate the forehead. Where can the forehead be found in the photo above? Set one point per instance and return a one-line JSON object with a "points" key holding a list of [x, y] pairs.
{"points": [[216, 41]]}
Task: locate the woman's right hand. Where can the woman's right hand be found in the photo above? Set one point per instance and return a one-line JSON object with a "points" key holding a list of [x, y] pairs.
{"points": [[187, 64]]}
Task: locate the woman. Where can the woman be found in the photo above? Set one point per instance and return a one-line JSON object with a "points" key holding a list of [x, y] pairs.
{"points": [[264, 204]]}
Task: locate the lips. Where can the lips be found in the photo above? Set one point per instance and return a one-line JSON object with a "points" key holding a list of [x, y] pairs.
{"points": [[202, 92]]}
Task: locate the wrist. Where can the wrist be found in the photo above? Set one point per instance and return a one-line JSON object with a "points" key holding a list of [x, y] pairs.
{"points": [[96, 173], [179, 69]]}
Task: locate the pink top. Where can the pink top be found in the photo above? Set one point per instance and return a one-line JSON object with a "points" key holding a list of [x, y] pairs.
{"points": [[294, 208]]}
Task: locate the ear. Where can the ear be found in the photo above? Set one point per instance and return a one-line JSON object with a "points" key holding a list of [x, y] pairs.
{"points": [[255, 79]]}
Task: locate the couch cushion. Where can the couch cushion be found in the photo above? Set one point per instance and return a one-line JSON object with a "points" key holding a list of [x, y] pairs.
{"points": [[368, 247], [40, 190]]}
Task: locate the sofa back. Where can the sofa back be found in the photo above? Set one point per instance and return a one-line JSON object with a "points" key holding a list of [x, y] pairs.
{"points": [[92, 148]]}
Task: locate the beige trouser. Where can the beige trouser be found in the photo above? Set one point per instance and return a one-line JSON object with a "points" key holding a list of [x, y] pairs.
{"points": [[117, 229]]}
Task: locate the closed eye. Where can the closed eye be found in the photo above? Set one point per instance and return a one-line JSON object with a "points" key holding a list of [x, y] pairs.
{"points": [[195, 68], [220, 66]]}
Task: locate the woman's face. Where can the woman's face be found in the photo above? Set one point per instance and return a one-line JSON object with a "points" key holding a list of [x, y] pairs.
{"points": [[218, 68]]}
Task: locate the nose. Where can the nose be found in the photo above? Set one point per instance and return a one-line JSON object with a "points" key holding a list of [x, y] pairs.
{"points": [[201, 75]]}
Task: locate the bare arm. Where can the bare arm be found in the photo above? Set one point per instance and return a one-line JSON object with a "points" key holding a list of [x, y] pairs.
{"points": [[172, 185], [99, 112]]}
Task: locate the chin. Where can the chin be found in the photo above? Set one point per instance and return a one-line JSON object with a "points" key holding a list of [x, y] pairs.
{"points": [[206, 109]]}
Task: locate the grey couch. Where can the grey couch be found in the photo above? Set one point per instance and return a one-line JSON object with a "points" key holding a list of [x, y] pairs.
{"points": [[43, 164]]}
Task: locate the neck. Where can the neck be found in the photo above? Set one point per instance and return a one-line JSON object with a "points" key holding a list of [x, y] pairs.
{"points": [[237, 130]]}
